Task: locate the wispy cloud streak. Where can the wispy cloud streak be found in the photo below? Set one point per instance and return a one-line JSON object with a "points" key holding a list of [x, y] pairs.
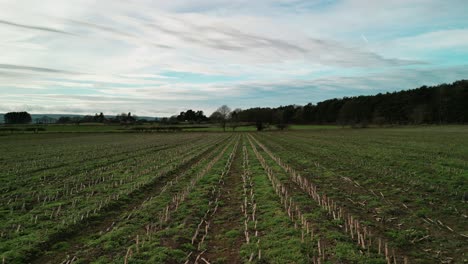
{"points": [[33, 69], [40, 28]]}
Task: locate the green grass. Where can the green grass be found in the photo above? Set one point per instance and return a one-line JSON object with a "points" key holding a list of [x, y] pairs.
{"points": [[407, 176], [326, 230], [59, 128], [279, 240], [313, 127], [408, 184], [97, 127], [70, 194]]}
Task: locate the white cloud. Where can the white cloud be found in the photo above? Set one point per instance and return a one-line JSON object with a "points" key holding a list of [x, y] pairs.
{"points": [[441, 39], [99, 49]]}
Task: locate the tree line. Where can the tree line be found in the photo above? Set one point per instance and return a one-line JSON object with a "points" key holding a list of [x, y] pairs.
{"points": [[26, 118], [125, 118], [441, 104]]}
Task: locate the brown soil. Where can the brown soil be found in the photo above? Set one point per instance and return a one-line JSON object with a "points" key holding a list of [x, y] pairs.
{"points": [[220, 247]]}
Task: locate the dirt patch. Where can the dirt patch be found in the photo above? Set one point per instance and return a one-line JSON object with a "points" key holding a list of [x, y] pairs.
{"points": [[226, 237]]}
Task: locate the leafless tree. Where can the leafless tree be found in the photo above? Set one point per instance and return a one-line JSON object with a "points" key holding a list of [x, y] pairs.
{"points": [[222, 114]]}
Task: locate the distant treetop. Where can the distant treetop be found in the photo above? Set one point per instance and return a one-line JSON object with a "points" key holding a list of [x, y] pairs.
{"points": [[17, 118]]}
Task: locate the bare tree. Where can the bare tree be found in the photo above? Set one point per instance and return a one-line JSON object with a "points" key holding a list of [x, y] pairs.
{"points": [[222, 113]]}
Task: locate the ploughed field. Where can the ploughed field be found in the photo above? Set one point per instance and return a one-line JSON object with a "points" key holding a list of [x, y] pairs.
{"points": [[317, 196]]}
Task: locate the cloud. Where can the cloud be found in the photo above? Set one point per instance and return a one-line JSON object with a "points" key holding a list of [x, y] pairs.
{"points": [[146, 56], [150, 100], [224, 37], [440, 39], [146, 76], [40, 28], [125, 39], [33, 69], [115, 32], [330, 52]]}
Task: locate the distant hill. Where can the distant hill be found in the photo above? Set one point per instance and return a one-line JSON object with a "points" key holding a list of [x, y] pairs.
{"points": [[57, 116]]}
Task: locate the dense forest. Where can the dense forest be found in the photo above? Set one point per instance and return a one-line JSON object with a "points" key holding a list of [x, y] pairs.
{"points": [[441, 104]]}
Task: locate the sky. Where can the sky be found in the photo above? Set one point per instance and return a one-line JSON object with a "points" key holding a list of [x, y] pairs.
{"points": [[160, 57]]}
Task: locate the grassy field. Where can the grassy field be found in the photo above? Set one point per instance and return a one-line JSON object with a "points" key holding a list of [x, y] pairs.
{"points": [[307, 195], [112, 128]]}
